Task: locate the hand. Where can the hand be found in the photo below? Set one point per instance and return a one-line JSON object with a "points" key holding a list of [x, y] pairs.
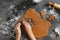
{"points": [[18, 31], [29, 30]]}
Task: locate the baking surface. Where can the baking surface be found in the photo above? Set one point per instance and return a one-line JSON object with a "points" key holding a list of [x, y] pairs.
{"points": [[4, 7]]}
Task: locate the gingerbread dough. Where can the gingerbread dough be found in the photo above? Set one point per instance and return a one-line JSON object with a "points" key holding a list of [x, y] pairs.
{"points": [[40, 26]]}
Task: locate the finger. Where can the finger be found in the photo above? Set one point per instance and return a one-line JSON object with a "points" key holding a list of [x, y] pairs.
{"points": [[17, 26], [26, 23]]}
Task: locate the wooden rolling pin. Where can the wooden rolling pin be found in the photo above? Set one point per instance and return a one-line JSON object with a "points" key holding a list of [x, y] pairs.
{"points": [[55, 5]]}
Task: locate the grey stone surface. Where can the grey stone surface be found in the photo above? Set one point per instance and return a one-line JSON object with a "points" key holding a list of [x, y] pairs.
{"points": [[4, 7]]}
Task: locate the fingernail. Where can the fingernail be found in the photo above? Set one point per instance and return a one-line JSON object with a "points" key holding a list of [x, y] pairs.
{"points": [[23, 21]]}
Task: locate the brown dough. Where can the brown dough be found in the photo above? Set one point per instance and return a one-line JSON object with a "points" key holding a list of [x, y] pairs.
{"points": [[40, 27], [51, 17]]}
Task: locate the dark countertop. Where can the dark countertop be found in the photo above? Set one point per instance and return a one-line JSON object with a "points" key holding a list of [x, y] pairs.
{"points": [[4, 4]]}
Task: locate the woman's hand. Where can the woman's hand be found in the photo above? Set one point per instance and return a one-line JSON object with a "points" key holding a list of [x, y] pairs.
{"points": [[18, 31]]}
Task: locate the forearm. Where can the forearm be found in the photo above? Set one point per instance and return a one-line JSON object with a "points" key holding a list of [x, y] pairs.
{"points": [[30, 34], [18, 35]]}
